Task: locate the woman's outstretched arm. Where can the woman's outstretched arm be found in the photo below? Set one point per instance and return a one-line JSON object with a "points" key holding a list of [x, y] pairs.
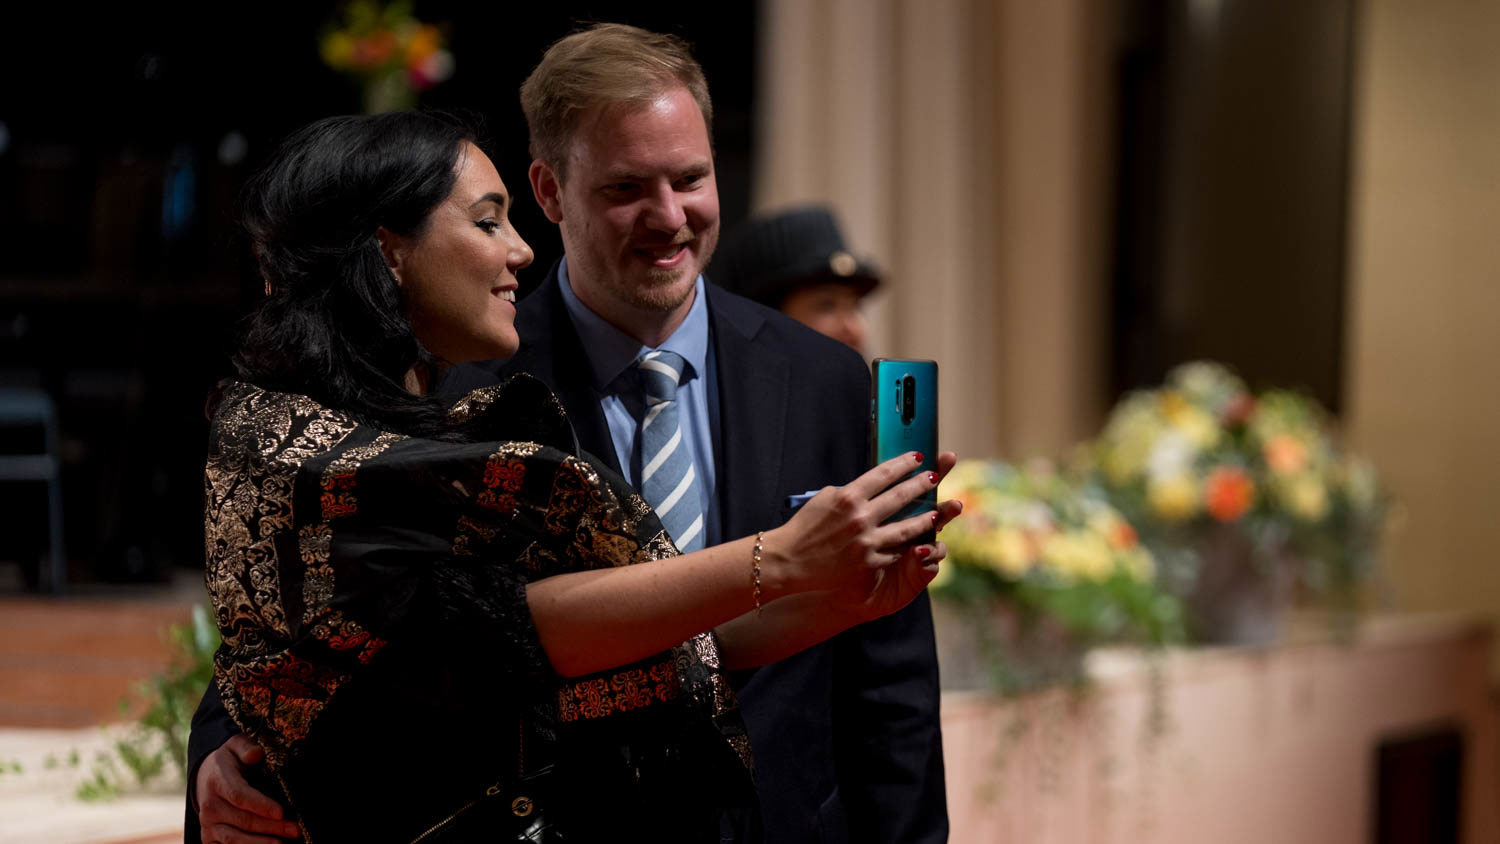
{"points": [[588, 621]]}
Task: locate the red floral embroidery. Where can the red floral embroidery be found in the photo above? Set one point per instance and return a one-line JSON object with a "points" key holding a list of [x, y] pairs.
{"points": [[634, 688], [337, 504], [508, 475]]}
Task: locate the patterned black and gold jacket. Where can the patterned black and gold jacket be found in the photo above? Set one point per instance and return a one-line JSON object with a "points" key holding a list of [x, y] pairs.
{"points": [[370, 590]]}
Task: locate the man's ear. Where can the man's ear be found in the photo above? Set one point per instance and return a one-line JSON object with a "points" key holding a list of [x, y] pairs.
{"points": [[547, 189], [393, 247]]}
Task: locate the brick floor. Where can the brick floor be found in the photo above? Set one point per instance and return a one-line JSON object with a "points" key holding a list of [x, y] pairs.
{"points": [[65, 664]]}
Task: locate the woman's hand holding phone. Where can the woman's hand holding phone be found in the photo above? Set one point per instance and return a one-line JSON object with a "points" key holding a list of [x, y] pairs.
{"points": [[837, 541], [894, 586]]}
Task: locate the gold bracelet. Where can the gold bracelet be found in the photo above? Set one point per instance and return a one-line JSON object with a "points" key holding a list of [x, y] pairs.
{"points": [[760, 537]]}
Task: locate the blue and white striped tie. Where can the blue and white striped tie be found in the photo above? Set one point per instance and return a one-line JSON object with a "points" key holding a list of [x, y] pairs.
{"points": [[668, 481]]}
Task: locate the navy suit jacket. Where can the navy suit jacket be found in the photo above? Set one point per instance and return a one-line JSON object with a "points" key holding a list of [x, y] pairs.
{"points": [[846, 735]]}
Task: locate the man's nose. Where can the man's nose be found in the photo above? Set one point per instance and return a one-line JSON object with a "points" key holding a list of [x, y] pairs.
{"points": [[664, 210]]}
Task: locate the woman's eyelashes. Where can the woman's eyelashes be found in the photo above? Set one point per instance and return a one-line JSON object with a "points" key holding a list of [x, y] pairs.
{"points": [[489, 226]]}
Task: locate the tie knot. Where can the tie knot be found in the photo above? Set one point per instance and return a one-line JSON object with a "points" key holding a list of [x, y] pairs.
{"points": [[661, 371]]}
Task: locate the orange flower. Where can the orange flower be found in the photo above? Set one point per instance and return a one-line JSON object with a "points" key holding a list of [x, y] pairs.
{"points": [[1122, 536], [1228, 493], [1285, 454], [374, 50], [424, 42]]}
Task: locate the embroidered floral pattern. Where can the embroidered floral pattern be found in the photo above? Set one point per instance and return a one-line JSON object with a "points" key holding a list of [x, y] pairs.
{"points": [[621, 691]]}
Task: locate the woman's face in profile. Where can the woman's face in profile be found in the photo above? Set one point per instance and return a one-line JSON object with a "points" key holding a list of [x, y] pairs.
{"points": [[458, 276]]}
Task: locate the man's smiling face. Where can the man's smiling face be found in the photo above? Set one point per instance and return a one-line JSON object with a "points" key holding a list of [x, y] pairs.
{"points": [[638, 207]]}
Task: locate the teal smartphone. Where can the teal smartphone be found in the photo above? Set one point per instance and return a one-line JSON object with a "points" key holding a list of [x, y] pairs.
{"points": [[904, 417]]}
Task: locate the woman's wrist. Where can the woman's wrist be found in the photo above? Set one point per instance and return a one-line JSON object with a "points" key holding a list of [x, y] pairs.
{"points": [[777, 567]]}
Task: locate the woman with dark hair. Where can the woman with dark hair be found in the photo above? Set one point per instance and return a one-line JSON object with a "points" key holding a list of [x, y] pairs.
{"points": [[440, 620]]}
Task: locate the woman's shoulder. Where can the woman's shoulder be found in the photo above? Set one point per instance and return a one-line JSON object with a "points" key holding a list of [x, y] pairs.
{"points": [[267, 423], [519, 408]]}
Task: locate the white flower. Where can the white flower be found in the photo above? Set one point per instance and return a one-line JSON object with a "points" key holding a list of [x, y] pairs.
{"points": [[1171, 456]]}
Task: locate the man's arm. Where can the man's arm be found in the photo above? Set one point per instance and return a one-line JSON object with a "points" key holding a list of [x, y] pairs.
{"points": [[221, 803]]}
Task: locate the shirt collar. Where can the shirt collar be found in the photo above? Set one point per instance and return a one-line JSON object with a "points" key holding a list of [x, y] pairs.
{"points": [[611, 351]]}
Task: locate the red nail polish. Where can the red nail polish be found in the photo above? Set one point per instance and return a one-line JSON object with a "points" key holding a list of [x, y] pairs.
{"points": [[934, 518], [923, 551], [919, 457], [932, 477]]}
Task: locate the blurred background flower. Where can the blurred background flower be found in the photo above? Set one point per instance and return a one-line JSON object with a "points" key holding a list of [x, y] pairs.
{"points": [[392, 55], [1201, 462], [1037, 573]]}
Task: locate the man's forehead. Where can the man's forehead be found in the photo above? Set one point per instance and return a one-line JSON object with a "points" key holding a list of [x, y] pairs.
{"points": [[665, 113]]}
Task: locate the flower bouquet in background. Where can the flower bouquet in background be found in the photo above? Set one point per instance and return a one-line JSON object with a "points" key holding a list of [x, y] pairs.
{"points": [[1037, 573], [391, 54], [1238, 497]]}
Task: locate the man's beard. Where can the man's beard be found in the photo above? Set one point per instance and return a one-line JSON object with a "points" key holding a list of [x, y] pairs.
{"points": [[662, 291]]}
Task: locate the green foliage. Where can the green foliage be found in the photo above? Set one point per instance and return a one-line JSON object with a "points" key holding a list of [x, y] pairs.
{"points": [[156, 745]]}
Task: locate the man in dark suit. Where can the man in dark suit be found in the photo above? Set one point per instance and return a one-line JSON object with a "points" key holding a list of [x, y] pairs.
{"points": [[845, 734]]}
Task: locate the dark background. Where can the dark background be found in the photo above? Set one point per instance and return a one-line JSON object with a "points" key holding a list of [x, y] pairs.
{"points": [[130, 131]]}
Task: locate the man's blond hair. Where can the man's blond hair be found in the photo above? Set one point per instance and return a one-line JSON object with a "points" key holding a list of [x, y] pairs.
{"points": [[605, 64]]}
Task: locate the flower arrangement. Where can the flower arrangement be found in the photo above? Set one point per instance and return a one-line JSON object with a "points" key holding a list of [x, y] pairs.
{"points": [[388, 51], [1202, 454], [1066, 570]]}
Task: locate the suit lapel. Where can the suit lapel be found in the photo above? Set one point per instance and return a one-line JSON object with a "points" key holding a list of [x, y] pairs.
{"points": [[753, 387], [559, 361]]}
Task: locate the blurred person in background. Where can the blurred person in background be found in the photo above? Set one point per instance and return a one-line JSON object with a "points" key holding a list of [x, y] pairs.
{"points": [[796, 261]]}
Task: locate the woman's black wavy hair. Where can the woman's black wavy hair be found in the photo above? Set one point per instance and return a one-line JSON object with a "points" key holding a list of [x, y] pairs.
{"points": [[333, 325]]}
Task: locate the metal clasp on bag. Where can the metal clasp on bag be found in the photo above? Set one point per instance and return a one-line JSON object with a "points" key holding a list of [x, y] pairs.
{"points": [[521, 807]]}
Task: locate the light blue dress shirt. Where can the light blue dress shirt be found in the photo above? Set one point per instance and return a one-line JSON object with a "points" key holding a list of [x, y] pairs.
{"points": [[612, 355]]}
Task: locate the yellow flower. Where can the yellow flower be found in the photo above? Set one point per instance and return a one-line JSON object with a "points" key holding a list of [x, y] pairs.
{"points": [[1307, 496], [1010, 553], [1129, 437], [1124, 462], [1173, 405], [1198, 426], [968, 475], [1139, 563], [1078, 555], [338, 50], [1173, 498]]}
